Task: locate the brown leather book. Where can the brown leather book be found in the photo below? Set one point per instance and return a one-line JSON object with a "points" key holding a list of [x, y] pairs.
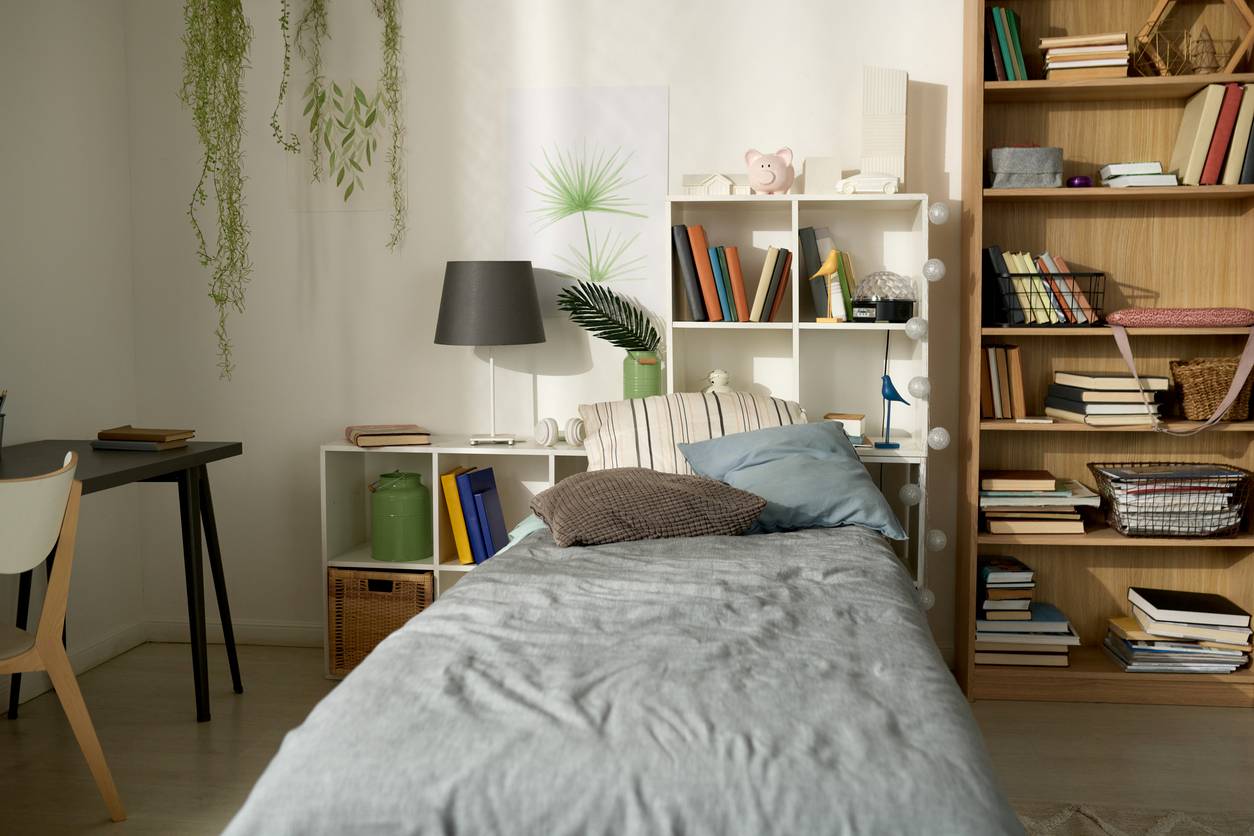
{"points": [[783, 288], [1014, 364], [128, 433], [705, 274]]}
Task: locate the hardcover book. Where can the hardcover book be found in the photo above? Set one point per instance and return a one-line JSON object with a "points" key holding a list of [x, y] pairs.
{"points": [[688, 272]]}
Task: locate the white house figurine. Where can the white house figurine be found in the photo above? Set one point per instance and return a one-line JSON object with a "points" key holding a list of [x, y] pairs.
{"points": [[716, 184]]}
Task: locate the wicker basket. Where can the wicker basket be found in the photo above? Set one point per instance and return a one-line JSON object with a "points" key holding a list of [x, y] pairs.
{"points": [[1201, 385], [364, 607]]}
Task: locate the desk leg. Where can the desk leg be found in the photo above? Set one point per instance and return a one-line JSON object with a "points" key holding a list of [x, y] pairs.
{"points": [[189, 517], [23, 610], [219, 577]]}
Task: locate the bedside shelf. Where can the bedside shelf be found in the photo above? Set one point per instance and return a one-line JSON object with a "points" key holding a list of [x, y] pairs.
{"points": [[1105, 89], [1107, 194]]}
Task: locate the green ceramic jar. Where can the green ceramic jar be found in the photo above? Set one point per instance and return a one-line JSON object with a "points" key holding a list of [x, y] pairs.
{"points": [[400, 513], [642, 374]]}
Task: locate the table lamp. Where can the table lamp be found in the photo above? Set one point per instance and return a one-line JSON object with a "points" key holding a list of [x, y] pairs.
{"points": [[489, 303]]}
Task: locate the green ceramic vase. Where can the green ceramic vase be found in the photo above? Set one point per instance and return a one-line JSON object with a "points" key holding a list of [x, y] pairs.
{"points": [[642, 374], [400, 507]]}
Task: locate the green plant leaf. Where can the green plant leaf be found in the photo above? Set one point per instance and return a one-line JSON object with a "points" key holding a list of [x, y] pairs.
{"points": [[359, 95], [309, 106], [349, 191], [339, 178], [348, 137], [609, 316], [354, 164], [369, 161], [337, 89]]}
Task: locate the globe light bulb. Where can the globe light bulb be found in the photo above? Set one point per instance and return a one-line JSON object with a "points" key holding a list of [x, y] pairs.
{"points": [[936, 540], [920, 387], [916, 328], [910, 494], [938, 438], [933, 269], [938, 213], [927, 598]]}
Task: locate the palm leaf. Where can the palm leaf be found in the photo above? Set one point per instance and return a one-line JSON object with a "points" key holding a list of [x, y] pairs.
{"points": [[609, 316], [607, 258], [574, 182]]}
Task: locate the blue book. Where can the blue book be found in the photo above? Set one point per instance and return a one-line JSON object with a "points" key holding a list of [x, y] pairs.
{"points": [[488, 517], [466, 493], [720, 282]]}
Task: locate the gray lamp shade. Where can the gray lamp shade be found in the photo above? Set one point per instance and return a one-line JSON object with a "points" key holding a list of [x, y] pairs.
{"points": [[489, 303]]}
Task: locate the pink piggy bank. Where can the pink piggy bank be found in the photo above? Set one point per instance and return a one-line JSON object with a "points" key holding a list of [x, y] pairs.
{"points": [[770, 173]]}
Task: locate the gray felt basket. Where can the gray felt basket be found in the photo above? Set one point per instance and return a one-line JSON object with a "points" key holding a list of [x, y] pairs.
{"points": [[1026, 168]]}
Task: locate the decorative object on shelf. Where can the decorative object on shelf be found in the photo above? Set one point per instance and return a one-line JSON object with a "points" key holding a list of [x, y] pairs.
{"points": [[1085, 57], [365, 606], [938, 438], [916, 328], [720, 383], [920, 387], [489, 303], [575, 432], [770, 173], [1201, 384], [819, 175], [1027, 167], [938, 213], [890, 394], [623, 324], [910, 494], [400, 517], [1171, 48], [716, 185], [1080, 181], [547, 434], [884, 94], [216, 41], [933, 270], [936, 540], [868, 184], [883, 296], [1039, 290]]}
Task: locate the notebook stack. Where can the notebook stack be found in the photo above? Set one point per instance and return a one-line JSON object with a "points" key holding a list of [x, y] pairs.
{"points": [[1036, 289], [1193, 500], [714, 283], [1213, 146], [1136, 175], [855, 426], [1104, 399], [474, 513], [142, 439], [1179, 632], [1006, 588], [1032, 502], [1040, 637], [1075, 57]]}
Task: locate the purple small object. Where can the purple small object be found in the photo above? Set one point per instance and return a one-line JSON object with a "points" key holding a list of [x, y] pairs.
{"points": [[1081, 181]]}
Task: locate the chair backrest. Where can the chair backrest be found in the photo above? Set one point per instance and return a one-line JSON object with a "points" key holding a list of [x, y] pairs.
{"points": [[31, 511]]}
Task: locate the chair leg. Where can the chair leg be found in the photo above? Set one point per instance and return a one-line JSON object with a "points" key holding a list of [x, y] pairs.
{"points": [[66, 685]]}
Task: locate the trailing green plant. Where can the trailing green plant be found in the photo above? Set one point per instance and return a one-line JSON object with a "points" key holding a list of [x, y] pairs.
{"points": [[390, 89], [574, 183], [290, 142], [216, 40], [610, 316], [311, 31], [348, 134]]}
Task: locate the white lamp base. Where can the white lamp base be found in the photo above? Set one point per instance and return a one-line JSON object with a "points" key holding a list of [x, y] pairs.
{"points": [[495, 438]]}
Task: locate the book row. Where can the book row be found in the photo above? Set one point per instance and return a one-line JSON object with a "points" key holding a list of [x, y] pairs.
{"points": [[715, 286], [1213, 144], [1022, 289], [474, 513]]}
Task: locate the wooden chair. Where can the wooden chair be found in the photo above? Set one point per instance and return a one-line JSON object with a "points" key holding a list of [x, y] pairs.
{"points": [[35, 514]]}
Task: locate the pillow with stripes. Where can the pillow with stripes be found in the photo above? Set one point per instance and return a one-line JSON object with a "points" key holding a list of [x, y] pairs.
{"points": [[646, 432]]}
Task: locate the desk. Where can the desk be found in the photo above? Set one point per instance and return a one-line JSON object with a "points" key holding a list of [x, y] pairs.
{"points": [[186, 467]]}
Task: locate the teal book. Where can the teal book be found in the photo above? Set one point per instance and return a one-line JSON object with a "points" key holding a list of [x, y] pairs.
{"points": [[1003, 42], [720, 282], [1016, 45], [727, 283]]}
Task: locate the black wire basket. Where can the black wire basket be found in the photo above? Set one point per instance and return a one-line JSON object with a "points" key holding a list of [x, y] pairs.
{"points": [[1052, 300], [1173, 499]]}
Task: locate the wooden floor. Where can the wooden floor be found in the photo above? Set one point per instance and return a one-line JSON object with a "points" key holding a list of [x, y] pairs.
{"points": [[180, 777]]}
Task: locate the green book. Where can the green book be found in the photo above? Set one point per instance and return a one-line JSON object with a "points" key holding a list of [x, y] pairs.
{"points": [[1016, 46], [1003, 42], [842, 275]]}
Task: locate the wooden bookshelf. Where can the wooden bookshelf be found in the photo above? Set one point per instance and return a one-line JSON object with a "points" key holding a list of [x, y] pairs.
{"points": [[1168, 247]]}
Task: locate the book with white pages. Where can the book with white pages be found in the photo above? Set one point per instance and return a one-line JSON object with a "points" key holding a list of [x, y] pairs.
{"points": [[1188, 607], [1076, 495], [1196, 632], [1007, 604], [1123, 169], [1142, 180], [1077, 65], [1070, 639], [1066, 286]]}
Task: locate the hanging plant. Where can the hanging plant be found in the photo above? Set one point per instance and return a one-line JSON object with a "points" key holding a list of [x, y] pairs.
{"points": [[390, 88], [290, 142], [216, 41], [311, 31]]}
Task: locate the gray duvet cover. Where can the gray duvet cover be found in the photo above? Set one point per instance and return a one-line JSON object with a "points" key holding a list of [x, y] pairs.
{"points": [[784, 683]]}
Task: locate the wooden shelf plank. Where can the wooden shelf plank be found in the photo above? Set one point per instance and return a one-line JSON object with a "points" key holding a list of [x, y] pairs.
{"points": [[1105, 89], [1103, 538], [1105, 331], [1010, 425], [682, 325], [1099, 194]]}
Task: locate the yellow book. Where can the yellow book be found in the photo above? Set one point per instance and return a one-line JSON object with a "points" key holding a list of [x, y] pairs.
{"points": [[456, 519]]}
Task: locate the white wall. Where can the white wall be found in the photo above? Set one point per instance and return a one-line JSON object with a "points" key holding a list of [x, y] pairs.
{"points": [[339, 331], [66, 324]]}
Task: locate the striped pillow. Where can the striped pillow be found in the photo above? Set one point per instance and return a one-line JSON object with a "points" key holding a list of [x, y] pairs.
{"points": [[644, 432]]}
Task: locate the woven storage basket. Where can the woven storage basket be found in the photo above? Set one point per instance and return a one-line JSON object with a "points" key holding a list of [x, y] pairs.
{"points": [[1201, 385], [364, 607]]}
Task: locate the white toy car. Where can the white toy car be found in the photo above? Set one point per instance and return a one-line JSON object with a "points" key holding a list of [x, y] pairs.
{"points": [[868, 184]]}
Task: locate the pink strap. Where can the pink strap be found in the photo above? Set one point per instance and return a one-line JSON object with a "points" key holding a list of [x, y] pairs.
{"points": [[1238, 381]]}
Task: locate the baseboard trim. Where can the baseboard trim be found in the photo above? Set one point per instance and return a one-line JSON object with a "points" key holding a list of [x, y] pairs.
{"points": [[82, 659], [274, 633]]}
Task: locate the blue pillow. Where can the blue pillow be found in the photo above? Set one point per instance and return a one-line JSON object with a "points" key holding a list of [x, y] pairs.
{"points": [[809, 475]]}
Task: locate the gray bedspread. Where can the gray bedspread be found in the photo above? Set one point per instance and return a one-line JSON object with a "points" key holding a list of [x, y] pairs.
{"points": [[784, 683]]}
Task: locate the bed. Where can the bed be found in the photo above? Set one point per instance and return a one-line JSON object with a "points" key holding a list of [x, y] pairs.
{"points": [[774, 683]]}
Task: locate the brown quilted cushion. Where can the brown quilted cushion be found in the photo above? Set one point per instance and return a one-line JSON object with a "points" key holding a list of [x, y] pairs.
{"points": [[635, 503]]}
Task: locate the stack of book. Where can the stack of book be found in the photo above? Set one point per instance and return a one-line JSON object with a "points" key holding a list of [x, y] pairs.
{"points": [[386, 435], [1104, 399], [855, 426], [714, 284], [1136, 175], [1003, 49], [1171, 631], [1001, 383], [1033, 502], [1006, 589], [1073, 57], [1213, 146], [1040, 637], [1181, 500], [474, 513], [829, 272], [143, 439], [1036, 290]]}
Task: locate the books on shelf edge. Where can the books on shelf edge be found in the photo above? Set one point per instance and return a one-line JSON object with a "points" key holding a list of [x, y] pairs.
{"points": [[1146, 420], [737, 283], [1080, 297], [1002, 568], [705, 273], [1188, 607], [997, 593], [1031, 514], [1171, 629], [1007, 615], [1089, 49], [1013, 604], [1163, 667], [456, 519], [1138, 181], [1002, 26], [386, 435], [724, 297], [1037, 660], [782, 291], [1074, 393], [139, 446], [1110, 381], [1127, 627], [1124, 169], [986, 389], [1046, 620], [764, 284], [1197, 127], [1021, 526], [1212, 169], [1240, 139], [1019, 647], [1014, 364], [474, 533], [1072, 62], [158, 434], [994, 66], [810, 263], [1086, 73], [1247, 169], [1017, 480], [1016, 45], [1003, 381], [1012, 631], [1071, 41], [852, 421], [999, 409], [1092, 408], [688, 272]]}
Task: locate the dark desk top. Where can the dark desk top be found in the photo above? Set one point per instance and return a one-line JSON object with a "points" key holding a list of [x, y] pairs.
{"points": [[102, 469]]}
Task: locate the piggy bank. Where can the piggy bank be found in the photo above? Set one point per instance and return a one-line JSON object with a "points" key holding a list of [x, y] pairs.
{"points": [[770, 173]]}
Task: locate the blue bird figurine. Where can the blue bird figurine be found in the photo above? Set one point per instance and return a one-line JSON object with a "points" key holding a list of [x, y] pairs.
{"points": [[889, 392]]}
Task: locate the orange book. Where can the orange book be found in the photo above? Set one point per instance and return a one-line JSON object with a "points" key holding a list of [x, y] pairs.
{"points": [[1074, 287], [1014, 363], [783, 288], [1053, 283], [737, 283], [705, 274], [1003, 383]]}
